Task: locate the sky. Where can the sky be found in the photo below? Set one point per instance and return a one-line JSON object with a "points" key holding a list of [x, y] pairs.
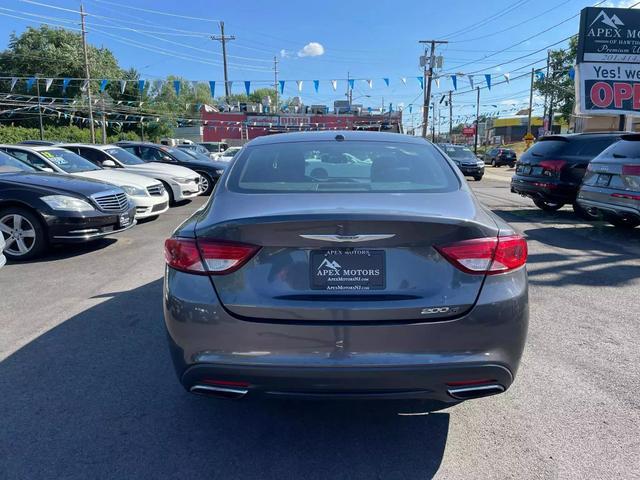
{"points": [[327, 40]]}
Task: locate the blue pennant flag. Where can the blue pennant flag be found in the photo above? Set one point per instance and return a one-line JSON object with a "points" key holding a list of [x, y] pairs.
{"points": [[141, 86], [410, 108], [487, 77], [281, 82], [316, 85], [65, 84], [351, 83], [369, 109], [540, 75], [391, 107], [386, 80], [103, 84], [572, 73], [30, 82], [247, 86], [212, 86], [421, 80], [176, 86], [454, 80]]}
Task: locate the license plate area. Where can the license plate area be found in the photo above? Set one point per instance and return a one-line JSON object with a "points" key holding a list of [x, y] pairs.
{"points": [[347, 269], [124, 220], [603, 180]]}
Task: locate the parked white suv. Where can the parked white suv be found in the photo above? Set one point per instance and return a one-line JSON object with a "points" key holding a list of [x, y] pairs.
{"points": [[148, 196], [180, 182]]}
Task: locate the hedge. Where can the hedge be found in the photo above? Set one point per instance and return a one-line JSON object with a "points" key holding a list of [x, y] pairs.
{"points": [[9, 134]]}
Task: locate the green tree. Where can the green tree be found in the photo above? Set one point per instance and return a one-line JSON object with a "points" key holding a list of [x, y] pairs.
{"points": [[558, 87], [254, 97]]}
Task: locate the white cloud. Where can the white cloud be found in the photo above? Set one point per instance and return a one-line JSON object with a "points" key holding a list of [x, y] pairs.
{"points": [[284, 53], [311, 49]]}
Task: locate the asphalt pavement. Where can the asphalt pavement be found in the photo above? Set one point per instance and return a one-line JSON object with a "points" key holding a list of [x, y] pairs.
{"points": [[87, 389]]}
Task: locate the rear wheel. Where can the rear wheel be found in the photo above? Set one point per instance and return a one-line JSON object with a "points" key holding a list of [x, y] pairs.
{"points": [[511, 165], [494, 164], [623, 222], [585, 213], [23, 233], [548, 206]]}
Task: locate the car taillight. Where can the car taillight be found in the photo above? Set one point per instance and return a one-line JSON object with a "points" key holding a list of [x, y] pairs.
{"points": [[206, 257], [628, 196], [487, 255], [554, 167], [631, 170]]}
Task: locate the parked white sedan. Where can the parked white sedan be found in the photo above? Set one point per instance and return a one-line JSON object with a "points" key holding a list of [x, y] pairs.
{"points": [[181, 182], [3, 259], [148, 196]]}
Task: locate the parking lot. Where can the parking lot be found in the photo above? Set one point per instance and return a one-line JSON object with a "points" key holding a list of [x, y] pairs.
{"points": [[89, 390]]}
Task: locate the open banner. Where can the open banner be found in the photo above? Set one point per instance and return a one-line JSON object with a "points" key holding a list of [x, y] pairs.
{"points": [[612, 88]]}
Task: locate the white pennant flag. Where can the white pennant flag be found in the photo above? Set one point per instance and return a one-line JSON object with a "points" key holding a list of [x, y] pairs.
{"points": [[84, 86], [507, 77], [437, 82], [299, 83], [14, 80], [334, 85], [123, 85], [47, 84], [470, 77], [370, 83], [403, 80]]}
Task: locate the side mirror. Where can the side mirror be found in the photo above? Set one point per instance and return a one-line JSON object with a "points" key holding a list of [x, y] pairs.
{"points": [[167, 158], [109, 164], [48, 169]]}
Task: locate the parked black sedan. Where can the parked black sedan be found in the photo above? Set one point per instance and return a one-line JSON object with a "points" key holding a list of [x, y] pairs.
{"points": [[38, 209], [150, 152]]}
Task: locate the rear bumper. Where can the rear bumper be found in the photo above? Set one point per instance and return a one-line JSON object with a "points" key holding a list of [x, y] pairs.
{"points": [[622, 209], [543, 189], [414, 360]]}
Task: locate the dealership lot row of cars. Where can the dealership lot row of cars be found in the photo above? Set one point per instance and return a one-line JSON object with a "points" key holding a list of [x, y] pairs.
{"points": [[68, 193]]}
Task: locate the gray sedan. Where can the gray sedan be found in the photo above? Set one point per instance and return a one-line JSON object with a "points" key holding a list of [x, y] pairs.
{"points": [[313, 274], [611, 186]]}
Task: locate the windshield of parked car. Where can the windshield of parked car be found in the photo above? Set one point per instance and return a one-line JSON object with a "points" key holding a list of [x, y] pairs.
{"points": [[212, 147], [123, 156], [68, 161], [180, 155], [231, 151], [8, 164], [352, 166], [459, 153]]}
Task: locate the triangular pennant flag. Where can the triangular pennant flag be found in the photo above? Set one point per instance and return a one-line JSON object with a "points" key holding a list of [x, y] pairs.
{"points": [[85, 85], [299, 83], [176, 86], [30, 82], [141, 86], [437, 80], [507, 77], [281, 82], [403, 80], [316, 85], [487, 77], [65, 84], [410, 108], [123, 85], [103, 84], [334, 85], [386, 81], [247, 87], [421, 81], [351, 83], [212, 87], [390, 107], [470, 77], [454, 80], [540, 75], [572, 73], [47, 84], [370, 83]]}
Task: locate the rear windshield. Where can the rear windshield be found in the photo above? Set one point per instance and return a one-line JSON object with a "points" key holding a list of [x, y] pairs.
{"points": [[623, 149], [123, 156], [460, 153], [588, 147], [348, 166]]}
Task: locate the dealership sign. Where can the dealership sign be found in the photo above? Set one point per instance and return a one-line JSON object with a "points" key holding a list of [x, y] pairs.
{"points": [[609, 35], [608, 88]]}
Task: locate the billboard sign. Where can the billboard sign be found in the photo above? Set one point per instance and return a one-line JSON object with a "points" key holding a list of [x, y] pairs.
{"points": [[609, 35], [469, 131], [608, 88]]}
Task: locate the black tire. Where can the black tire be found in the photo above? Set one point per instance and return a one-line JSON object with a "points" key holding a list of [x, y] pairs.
{"points": [[208, 181], [623, 222], [511, 165], [547, 206], [36, 241], [167, 187], [584, 213], [477, 178], [494, 164]]}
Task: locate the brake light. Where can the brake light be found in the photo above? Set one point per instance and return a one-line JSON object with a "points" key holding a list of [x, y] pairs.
{"points": [[552, 166], [631, 170], [628, 196], [207, 257], [487, 255]]}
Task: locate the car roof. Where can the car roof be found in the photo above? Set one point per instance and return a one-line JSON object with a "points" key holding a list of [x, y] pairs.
{"points": [[576, 136], [87, 145], [34, 148], [348, 135]]}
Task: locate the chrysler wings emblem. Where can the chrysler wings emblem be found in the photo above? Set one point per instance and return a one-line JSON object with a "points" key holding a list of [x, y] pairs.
{"points": [[350, 238]]}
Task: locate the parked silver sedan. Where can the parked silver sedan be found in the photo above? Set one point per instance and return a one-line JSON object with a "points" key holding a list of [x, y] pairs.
{"points": [[611, 186], [310, 274]]}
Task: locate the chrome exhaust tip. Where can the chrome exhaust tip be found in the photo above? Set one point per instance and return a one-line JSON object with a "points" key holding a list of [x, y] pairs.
{"points": [[465, 393], [218, 392]]}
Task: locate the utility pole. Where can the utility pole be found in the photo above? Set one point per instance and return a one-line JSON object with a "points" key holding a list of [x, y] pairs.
{"points": [[544, 114], [427, 77], [275, 81], [450, 116], [475, 141], [552, 82], [223, 39], [530, 101], [349, 94], [87, 72], [433, 122], [39, 107]]}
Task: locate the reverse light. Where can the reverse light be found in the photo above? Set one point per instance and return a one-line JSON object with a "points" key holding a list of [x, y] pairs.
{"points": [[207, 257], [488, 256]]}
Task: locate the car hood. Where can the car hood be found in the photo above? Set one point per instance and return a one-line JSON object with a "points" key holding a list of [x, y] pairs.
{"points": [[55, 183], [163, 169], [118, 178]]}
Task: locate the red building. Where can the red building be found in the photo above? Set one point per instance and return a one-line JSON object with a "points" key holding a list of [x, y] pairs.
{"points": [[218, 126]]}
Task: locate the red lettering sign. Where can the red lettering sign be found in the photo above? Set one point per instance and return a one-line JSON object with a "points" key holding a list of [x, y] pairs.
{"points": [[601, 94]]}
